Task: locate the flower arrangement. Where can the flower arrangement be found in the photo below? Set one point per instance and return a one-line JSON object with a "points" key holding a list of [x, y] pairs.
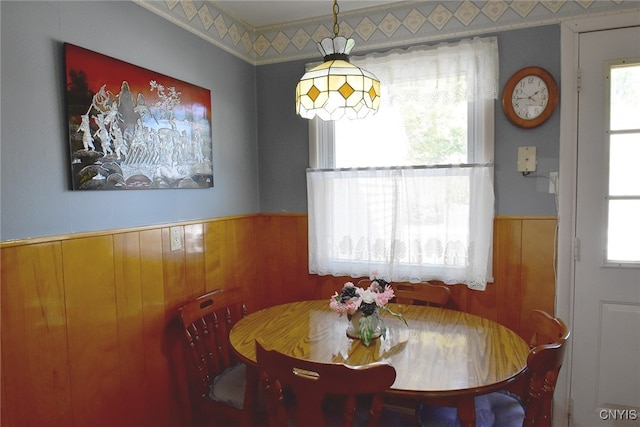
{"points": [[366, 305]]}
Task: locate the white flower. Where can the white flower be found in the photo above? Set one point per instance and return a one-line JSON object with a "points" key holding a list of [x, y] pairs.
{"points": [[367, 296]]}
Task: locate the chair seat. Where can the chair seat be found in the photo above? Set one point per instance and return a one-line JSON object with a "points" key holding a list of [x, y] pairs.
{"points": [[229, 387], [498, 409]]}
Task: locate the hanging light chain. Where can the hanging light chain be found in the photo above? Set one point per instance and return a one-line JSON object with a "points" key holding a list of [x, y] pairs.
{"points": [[336, 88], [336, 9]]}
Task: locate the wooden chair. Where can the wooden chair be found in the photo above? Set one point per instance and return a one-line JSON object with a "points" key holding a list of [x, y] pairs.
{"points": [[312, 391], [532, 405], [222, 390], [549, 338], [424, 293]]}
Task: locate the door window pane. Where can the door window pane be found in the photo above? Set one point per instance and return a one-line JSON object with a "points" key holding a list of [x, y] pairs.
{"points": [[624, 232], [624, 155], [625, 97]]}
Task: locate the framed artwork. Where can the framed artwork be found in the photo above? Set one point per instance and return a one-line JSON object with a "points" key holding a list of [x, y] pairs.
{"points": [[132, 128]]}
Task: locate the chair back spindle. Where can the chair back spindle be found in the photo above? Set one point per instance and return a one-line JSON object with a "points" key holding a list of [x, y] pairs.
{"points": [[207, 321]]}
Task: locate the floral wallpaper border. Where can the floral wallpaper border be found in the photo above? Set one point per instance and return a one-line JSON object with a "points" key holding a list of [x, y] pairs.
{"points": [[385, 26]]}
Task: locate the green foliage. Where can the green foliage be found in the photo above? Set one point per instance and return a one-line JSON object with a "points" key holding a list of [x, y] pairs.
{"points": [[368, 327], [436, 135]]}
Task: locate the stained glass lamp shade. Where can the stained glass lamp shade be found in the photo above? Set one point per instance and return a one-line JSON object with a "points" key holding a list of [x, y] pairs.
{"points": [[336, 88]]}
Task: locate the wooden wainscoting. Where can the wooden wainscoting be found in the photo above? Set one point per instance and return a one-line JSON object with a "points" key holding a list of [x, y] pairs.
{"points": [[523, 268], [88, 321], [89, 333]]}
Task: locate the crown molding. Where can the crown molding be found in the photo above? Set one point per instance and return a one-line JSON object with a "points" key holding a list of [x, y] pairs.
{"points": [[381, 27]]}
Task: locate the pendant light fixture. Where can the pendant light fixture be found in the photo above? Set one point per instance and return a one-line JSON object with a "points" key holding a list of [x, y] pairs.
{"points": [[336, 88]]}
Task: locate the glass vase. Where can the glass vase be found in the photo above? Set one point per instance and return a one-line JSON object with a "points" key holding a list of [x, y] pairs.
{"points": [[365, 328]]}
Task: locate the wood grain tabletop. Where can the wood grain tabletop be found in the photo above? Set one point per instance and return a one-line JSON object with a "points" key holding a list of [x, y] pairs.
{"points": [[440, 353]]}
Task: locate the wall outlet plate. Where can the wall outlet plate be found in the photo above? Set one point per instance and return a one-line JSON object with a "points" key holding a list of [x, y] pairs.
{"points": [[175, 236], [526, 159], [553, 182]]}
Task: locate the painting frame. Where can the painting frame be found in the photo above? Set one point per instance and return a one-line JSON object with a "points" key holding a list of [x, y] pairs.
{"points": [[133, 128]]}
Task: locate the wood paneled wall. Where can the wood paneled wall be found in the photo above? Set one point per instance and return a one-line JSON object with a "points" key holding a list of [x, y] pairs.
{"points": [[89, 333]]}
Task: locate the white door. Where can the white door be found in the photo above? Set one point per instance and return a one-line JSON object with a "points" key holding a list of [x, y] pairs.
{"points": [[605, 377]]}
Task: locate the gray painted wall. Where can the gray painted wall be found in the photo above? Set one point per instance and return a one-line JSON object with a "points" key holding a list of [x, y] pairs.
{"points": [[34, 177], [515, 194], [260, 145], [283, 137]]}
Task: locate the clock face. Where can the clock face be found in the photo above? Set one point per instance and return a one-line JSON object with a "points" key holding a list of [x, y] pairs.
{"points": [[530, 97]]}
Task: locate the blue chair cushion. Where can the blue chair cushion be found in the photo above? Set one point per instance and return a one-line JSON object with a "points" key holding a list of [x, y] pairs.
{"points": [[507, 409], [229, 386], [498, 409], [333, 408]]}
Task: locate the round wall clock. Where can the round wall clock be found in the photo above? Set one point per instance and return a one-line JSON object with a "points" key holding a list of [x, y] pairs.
{"points": [[530, 97]]}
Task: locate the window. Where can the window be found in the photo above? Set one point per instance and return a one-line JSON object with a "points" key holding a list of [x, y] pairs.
{"points": [[623, 199], [407, 194]]}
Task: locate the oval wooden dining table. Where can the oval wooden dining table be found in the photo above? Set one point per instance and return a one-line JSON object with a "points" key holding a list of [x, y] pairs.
{"points": [[443, 356]]}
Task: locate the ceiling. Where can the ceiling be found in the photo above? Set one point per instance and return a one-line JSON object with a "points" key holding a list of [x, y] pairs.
{"points": [[263, 13]]}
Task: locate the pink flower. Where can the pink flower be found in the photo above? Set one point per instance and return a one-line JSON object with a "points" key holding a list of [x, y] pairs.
{"points": [[384, 297], [350, 306], [336, 305], [351, 297], [353, 305]]}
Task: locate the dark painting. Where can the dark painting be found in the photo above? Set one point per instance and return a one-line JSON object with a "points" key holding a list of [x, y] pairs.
{"points": [[131, 128]]}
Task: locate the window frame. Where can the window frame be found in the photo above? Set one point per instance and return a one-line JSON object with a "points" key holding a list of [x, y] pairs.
{"points": [[608, 198], [481, 120], [480, 151]]}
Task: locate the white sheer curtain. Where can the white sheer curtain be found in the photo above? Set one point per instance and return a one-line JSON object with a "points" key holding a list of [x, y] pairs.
{"points": [[467, 69], [414, 223], [406, 224]]}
